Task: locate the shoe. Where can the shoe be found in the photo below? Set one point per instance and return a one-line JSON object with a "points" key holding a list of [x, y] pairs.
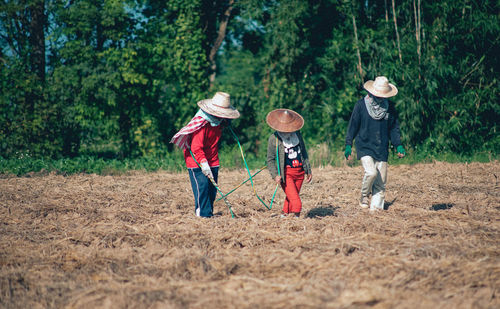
{"points": [[363, 203], [283, 216]]}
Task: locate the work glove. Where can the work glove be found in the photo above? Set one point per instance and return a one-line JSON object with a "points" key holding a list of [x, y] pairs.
{"points": [[400, 149], [348, 151], [205, 169]]}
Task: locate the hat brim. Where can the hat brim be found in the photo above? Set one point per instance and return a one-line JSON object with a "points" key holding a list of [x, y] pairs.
{"points": [[221, 112], [369, 87], [294, 124]]}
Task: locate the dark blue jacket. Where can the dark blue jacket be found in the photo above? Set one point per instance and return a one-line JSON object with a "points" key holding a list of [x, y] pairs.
{"points": [[372, 136]]}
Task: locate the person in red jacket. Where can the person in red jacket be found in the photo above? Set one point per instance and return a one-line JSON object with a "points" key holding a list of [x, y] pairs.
{"points": [[200, 139]]}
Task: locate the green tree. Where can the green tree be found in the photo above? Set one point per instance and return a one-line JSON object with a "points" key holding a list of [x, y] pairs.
{"points": [[121, 77], [28, 123]]}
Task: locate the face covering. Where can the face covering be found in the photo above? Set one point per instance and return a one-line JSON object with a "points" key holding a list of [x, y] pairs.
{"points": [[377, 107], [213, 120], [289, 139]]}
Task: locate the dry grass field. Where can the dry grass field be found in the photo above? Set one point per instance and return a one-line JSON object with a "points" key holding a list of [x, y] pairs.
{"points": [[132, 241]]}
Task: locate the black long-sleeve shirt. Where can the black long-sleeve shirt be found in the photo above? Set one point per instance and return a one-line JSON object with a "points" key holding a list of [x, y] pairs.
{"points": [[372, 136]]}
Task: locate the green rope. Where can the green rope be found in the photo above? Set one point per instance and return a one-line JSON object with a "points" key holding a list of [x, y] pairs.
{"points": [[244, 182], [215, 185], [277, 157], [250, 175], [223, 196]]}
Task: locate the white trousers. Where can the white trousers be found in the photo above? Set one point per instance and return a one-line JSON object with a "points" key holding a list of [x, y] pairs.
{"points": [[374, 181]]}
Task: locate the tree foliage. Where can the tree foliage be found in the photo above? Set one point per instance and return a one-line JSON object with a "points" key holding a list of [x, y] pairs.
{"points": [[119, 78]]}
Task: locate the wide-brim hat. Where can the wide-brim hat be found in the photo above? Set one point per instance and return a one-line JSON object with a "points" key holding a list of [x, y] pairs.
{"points": [[284, 120], [219, 106], [381, 87]]}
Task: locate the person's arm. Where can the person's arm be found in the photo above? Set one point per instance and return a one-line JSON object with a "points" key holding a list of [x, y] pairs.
{"points": [[306, 165], [352, 130], [271, 158], [395, 134], [197, 142]]}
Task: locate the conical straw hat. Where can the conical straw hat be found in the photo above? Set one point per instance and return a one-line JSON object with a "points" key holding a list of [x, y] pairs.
{"points": [[285, 120]]}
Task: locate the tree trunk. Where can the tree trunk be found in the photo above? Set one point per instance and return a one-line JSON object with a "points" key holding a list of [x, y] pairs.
{"points": [[356, 43], [386, 13], [35, 25], [218, 41], [396, 28], [419, 33], [417, 29], [37, 38]]}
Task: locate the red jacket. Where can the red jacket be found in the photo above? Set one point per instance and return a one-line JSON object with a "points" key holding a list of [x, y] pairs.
{"points": [[205, 146]]}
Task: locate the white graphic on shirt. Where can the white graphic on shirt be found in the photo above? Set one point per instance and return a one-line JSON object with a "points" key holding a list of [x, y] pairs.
{"points": [[293, 152]]}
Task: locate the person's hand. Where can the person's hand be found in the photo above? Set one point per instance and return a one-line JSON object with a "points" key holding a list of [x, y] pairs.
{"points": [[401, 151], [205, 169], [278, 179], [309, 177], [347, 152]]}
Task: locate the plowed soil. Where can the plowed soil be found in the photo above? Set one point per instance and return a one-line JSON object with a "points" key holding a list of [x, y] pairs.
{"points": [[132, 241]]}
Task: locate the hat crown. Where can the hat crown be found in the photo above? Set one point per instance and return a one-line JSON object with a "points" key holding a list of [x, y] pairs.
{"points": [[284, 120], [286, 117], [381, 84], [221, 99]]}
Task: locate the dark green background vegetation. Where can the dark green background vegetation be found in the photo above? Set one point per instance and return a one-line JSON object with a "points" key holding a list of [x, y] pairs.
{"points": [[88, 82]]}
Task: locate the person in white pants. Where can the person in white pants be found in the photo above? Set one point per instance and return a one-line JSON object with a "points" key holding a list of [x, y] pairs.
{"points": [[373, 123], [373, 182]]}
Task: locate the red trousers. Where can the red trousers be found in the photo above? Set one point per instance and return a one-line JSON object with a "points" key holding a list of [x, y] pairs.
{"points": [[294, 179]]}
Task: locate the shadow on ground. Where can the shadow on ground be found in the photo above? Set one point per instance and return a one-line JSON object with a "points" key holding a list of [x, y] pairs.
{"points": [[322, 212], [389, 204], [442, 206]]}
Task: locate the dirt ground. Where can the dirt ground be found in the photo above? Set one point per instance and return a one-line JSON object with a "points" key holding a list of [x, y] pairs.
{"points": [[132, 241]]}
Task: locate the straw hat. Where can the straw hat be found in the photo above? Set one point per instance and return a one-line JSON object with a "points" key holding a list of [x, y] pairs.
{"points": [[219, 106], [381, 87], [284, 120]]}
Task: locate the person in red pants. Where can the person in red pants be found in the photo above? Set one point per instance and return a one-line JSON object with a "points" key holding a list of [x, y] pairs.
{"points": [[287, 159]]}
